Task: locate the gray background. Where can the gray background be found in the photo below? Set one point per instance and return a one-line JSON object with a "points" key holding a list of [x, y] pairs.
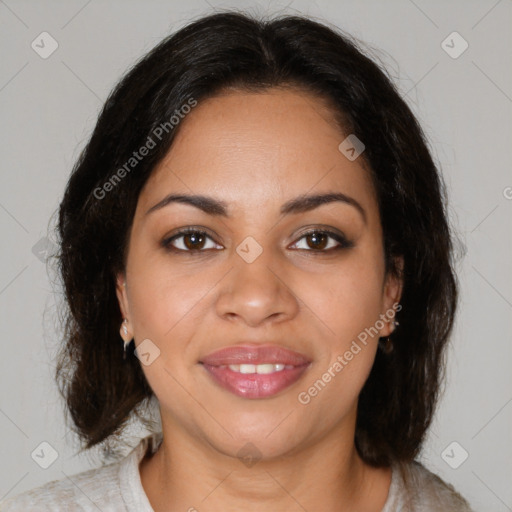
{"points": [[49, 107]]}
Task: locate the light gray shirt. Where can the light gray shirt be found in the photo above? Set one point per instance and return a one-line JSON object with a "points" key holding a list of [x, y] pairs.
{"points": [[117, 487]]}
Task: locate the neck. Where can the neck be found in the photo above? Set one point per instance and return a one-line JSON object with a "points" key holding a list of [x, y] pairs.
{"points": [[186, 473]]}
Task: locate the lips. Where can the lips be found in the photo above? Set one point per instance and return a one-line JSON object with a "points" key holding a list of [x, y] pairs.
{"points": [[251, 354], [223, 366]]}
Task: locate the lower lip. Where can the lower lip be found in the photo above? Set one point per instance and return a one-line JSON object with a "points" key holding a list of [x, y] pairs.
{"points": [[255, 385]]}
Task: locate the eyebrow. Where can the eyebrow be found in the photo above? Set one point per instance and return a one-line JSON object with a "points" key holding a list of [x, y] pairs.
{"points": [[301, 204]]}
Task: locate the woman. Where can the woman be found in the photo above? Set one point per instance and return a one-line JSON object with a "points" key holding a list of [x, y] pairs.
{"points": [[258, 214]]}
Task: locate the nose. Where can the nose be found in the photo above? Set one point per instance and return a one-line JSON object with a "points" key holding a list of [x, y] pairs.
{"points": [[258, 292]]}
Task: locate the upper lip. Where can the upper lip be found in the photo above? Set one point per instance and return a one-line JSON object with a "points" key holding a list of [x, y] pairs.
{"points": [[255, 354]]}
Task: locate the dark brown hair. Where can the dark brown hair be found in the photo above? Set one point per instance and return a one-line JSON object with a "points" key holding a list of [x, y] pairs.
{"points": [[232, 50]]}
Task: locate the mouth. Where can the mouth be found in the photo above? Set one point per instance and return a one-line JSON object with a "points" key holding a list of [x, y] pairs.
{"points": [[255, 371]]}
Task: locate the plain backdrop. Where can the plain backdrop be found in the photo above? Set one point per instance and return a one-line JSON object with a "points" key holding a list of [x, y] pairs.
{"points": [[463, 100]]}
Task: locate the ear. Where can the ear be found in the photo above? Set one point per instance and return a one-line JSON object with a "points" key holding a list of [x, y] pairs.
{"points": [[122, 297], [392, 294]]}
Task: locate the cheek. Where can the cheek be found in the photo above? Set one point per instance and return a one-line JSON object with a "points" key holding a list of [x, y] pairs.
{"points": [[346, 300], [346, 349], [347, 303], [165, 303], [167, 309]]}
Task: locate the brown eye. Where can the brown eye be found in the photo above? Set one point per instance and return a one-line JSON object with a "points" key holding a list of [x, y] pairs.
{"points": [[194, 241], [323, 241], [190, 240], [317, 240]]}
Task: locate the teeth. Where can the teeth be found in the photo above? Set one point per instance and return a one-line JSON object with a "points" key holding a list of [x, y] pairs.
{"points": [[258, 368]]}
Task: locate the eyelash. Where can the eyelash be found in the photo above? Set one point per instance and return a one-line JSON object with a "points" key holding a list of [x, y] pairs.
{"points": [[342, 241]]}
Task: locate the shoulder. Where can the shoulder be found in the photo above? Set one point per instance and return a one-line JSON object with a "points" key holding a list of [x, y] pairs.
{"points": [[111, 487], [423, 490], [77, 493]]}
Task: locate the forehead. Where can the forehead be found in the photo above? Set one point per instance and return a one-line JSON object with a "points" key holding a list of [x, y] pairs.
{"points": [[253, 148]]}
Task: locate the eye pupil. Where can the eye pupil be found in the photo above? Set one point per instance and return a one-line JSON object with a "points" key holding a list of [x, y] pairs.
{"points": [[319, 240], [195, 237]]}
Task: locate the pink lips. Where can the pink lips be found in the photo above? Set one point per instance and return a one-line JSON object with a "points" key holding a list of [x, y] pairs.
{"points": [[255, 385]]}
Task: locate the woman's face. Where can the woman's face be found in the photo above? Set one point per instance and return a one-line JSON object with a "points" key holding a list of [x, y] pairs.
{"points": [[256, 277]]}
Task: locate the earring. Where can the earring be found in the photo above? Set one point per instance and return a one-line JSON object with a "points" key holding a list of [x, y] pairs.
{"points": [[125, 336], [386, 345]]}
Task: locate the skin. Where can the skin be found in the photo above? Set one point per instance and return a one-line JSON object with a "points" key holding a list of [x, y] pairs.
{"points": [[255, 151]]}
